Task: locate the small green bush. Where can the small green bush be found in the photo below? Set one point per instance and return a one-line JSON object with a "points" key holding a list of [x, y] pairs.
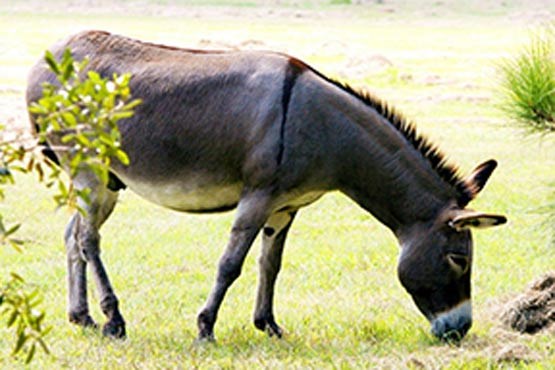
{"points": [[528, 83], [528, 93], [81, 115], [81, 112]]}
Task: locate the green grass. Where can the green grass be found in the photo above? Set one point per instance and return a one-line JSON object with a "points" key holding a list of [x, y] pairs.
{"points": [[337, 296], [528, 83]]}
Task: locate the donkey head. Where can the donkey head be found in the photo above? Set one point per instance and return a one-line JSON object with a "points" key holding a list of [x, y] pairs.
{"points": [[436, 259]]}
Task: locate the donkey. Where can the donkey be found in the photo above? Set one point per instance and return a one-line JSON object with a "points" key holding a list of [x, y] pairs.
{"points": [[267, 134]]}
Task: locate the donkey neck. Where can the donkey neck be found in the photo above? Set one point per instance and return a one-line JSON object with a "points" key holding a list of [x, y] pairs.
{"points": [[386, 173]]}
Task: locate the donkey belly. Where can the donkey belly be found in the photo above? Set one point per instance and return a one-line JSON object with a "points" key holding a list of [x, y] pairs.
{"points": [[190, 196]]}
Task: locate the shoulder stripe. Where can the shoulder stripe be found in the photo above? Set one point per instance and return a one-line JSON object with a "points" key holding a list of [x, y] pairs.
{"points": [[293, 70]]}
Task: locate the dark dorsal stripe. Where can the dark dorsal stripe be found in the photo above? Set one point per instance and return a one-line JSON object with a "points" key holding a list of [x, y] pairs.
{"points": [[429, 151]]}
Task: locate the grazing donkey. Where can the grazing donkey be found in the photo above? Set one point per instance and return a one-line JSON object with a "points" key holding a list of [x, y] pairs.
{"points": [[268, 134]]}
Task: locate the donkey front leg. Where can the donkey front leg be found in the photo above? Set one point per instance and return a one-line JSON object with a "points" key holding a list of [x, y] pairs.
{"points": [[251, 215], [273, 241], [83, 247]]}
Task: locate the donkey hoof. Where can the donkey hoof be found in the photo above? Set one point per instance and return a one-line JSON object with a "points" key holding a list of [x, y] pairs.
{"points": [[205, 323], [82, 319], [205, 334], [114, 329], [269, 326], [205, 338]]}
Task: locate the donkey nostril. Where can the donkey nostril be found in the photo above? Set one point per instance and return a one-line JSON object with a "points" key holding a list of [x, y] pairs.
{"points": [[453, 334], [465, 327]]}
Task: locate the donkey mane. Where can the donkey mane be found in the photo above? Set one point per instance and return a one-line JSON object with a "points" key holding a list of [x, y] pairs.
{"points": [[437, 160]]}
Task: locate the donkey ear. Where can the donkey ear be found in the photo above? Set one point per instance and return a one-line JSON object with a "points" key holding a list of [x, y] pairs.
{"points": [[467, 219], [476, 181]]}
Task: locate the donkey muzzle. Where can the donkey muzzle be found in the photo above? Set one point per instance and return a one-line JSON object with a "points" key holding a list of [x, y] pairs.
{"points": [[452, 325]]}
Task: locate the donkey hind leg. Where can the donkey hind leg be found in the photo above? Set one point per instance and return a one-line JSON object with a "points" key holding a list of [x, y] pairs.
{"points": [[77, 278], [273, 241], [83, 247], [251, 215]]}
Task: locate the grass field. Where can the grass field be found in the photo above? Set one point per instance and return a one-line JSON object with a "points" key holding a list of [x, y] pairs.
{"points": [[337, 296]]}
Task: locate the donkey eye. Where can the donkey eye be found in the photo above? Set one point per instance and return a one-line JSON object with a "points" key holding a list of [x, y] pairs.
{"points": [[458, 262]]}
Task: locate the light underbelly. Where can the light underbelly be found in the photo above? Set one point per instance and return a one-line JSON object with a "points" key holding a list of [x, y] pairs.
{"points": [[296, 199], [187, 197], [205, 195]]}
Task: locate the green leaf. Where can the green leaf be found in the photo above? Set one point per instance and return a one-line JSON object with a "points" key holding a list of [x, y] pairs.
{"points": [[13, 317], [95, 79], [21, 339], [69, 119], [42, 342], [40, 172], [116, 116], [16, 244], [12, 230], [68, 70], [122, 157], [30, 354], [40, 316], [84, 195], [17, 277], [37, 108], [131, 105], [51, 61]]}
